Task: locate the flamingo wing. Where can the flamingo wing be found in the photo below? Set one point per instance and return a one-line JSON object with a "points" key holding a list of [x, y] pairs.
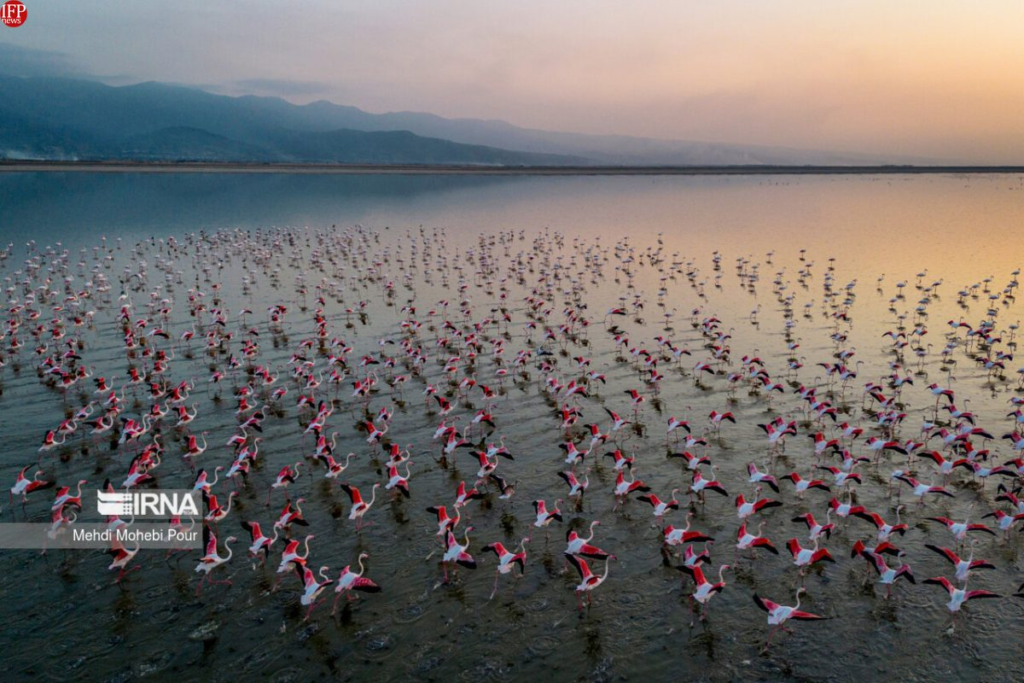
{"points": [[253, 528], [593, 552], [805, 616], [941, 581], [765, 604], [945, 552], [365, 585], [580, 565], [971, 595], [353, 493], [209, 541]]}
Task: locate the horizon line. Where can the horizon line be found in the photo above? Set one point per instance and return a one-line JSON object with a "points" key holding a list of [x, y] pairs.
{"points": [[122, 166]]}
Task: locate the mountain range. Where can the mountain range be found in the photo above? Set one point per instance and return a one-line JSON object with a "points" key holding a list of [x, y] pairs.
{"points": [[76, 119]]}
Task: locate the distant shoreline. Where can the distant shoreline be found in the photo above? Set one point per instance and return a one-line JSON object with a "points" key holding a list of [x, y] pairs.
{"points": [[437, 169]]}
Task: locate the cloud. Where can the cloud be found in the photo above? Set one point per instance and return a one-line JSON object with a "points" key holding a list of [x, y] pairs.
{"points": [[283, 87], [29, 62]]}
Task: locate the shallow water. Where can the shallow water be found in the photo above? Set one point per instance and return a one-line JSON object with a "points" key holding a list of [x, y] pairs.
{"points": [[73, 624]]}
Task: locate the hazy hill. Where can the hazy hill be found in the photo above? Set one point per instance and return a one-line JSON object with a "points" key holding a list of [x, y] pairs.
{"points": [[74, 118]]}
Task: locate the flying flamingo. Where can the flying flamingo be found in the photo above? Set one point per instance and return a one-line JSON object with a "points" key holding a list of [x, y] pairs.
{"points": [[359, 507], [748, 541], [705, 589], [962, 568], [349, 581], [291, 558], [444, 522], [260, 543], [958, 596], [291, 514], [887, 576], [65, 499], [456, 553], [24, 486], [122, 556], [778, 614], [212, 559], [311, 588], [286, 476], [578, 545], [589, 581], [660, 507], [507, 561]]}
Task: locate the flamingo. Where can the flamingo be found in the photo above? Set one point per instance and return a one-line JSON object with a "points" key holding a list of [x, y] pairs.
{"points": [[359, 507], [218, 512], [291, 514], [456, 553], [349, 581], [778, 614], [122, 556], [507, 561], [286, 476], [960, 529], [758, 477], [544, 516], [589, 581], [260, 543], [700, 484], [660, 507], [24, 486], [65, 499], [887, 576], [705, 589], [745, 509], [290, 557], [805, 557], [462, 496], [311, 587], [444, 522], [958, 596], [962, 568], [672, 536], [921, 490], [334, 468], [397, 482], [578, 545], [212, 559]]}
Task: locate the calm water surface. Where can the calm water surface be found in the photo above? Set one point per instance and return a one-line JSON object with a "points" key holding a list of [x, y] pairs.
{"points": [[71, 623]]}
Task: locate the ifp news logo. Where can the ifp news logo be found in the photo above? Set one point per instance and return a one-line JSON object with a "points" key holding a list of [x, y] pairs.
{"points": [[148, 504], [13, 13]]}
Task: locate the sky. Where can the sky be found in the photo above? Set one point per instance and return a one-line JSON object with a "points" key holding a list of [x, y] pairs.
{"points": [[937, 79]]}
